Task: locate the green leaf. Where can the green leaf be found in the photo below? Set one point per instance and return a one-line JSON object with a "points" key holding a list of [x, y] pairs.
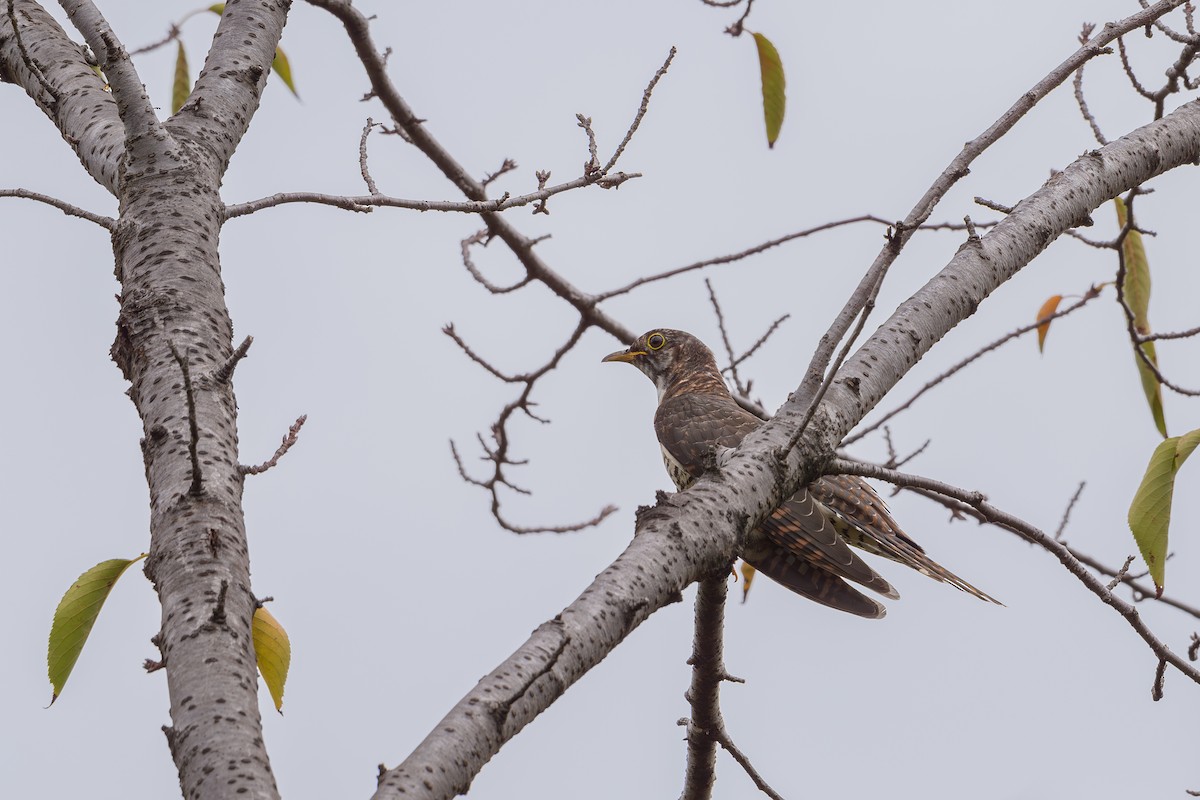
{"points": [[1136, 290], [773, 84], [217, 8], [183, 82], [1150, 511], [273, 652], [75, 616], [283, 69]]}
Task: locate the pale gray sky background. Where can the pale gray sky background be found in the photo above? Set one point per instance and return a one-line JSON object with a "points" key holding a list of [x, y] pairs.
{"points": [[396, 586]]}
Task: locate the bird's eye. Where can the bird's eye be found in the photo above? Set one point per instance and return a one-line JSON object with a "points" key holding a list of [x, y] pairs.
{"points": [[655, 341]]}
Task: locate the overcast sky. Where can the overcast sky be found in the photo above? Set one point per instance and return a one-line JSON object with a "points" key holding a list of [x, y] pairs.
{"points": [[398, 589]]}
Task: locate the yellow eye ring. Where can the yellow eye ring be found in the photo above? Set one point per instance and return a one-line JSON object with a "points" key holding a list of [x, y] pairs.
{"points": [[655, 341]]}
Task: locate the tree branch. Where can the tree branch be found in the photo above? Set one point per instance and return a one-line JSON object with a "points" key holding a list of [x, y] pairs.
{"points": [[1031, 534]]}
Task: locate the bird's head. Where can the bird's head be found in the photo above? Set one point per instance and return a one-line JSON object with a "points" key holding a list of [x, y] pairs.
{"points": [[675, 361]]}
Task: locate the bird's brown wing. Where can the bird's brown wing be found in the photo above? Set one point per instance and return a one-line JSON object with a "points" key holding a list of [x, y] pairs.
{"points": [[866, 523], [690, 425]]}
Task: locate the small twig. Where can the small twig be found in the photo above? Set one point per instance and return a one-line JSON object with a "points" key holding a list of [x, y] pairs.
{"points": [[1084, 36], [1194, 648], [366, 203], [1066, 517], [750, 251], [542, 175], [483, 238], [989, 513], [499, 455], [1151, 337], [1120, 576], [867, 307], [224, 373], [993, 205], [1160, 676], [738, 27], [744, 762], [108, 223], [592, 165], [732, 368], [1140, 591], [507, 166], [641, 113], [289, 439], [197, 488], [362, 157], [774, 326]]}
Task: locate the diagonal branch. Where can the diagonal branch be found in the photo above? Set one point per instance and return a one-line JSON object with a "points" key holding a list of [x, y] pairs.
{"points": [[1031, 534]]}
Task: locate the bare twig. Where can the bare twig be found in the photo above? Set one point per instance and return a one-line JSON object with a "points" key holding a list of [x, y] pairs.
{"points": [[641, 112], [498, 454], [364, 203], [744, 762], [362, 157], [289, 439], [1066, 517], [224, 373], [993, 515], [108, 223], [483, 238], [1121, 573], [1078, 87]]}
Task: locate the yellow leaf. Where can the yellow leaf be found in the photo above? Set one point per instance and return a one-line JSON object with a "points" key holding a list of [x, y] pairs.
{"points": [[1150, 511], [773, 85], [1136, 291], [283, 69], [217, 8], [1048, 308], [273, 652], [75, 616], [183, 82], [747, 578]]}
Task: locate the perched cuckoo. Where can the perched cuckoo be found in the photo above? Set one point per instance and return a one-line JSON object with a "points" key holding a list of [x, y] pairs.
{"points": [[803, 544]]}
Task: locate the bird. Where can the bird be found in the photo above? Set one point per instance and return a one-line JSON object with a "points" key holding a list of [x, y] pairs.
{"points": [[804, 544]]}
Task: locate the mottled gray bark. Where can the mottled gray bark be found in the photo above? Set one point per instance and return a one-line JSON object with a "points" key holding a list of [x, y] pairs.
{"points": [[173, 317]]}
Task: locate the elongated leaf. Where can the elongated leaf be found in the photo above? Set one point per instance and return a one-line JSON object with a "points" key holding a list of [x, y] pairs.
{"points": [[1136, 290], [273, 652], [183, 81], [1151, 387], [773, 85], [217, 8], [1048, 308], [75, 616], [1150, 511], [281, 67], [747, 578]]}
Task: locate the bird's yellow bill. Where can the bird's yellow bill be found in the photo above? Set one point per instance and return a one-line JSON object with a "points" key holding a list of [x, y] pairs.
{"points": [[623, 355]]}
